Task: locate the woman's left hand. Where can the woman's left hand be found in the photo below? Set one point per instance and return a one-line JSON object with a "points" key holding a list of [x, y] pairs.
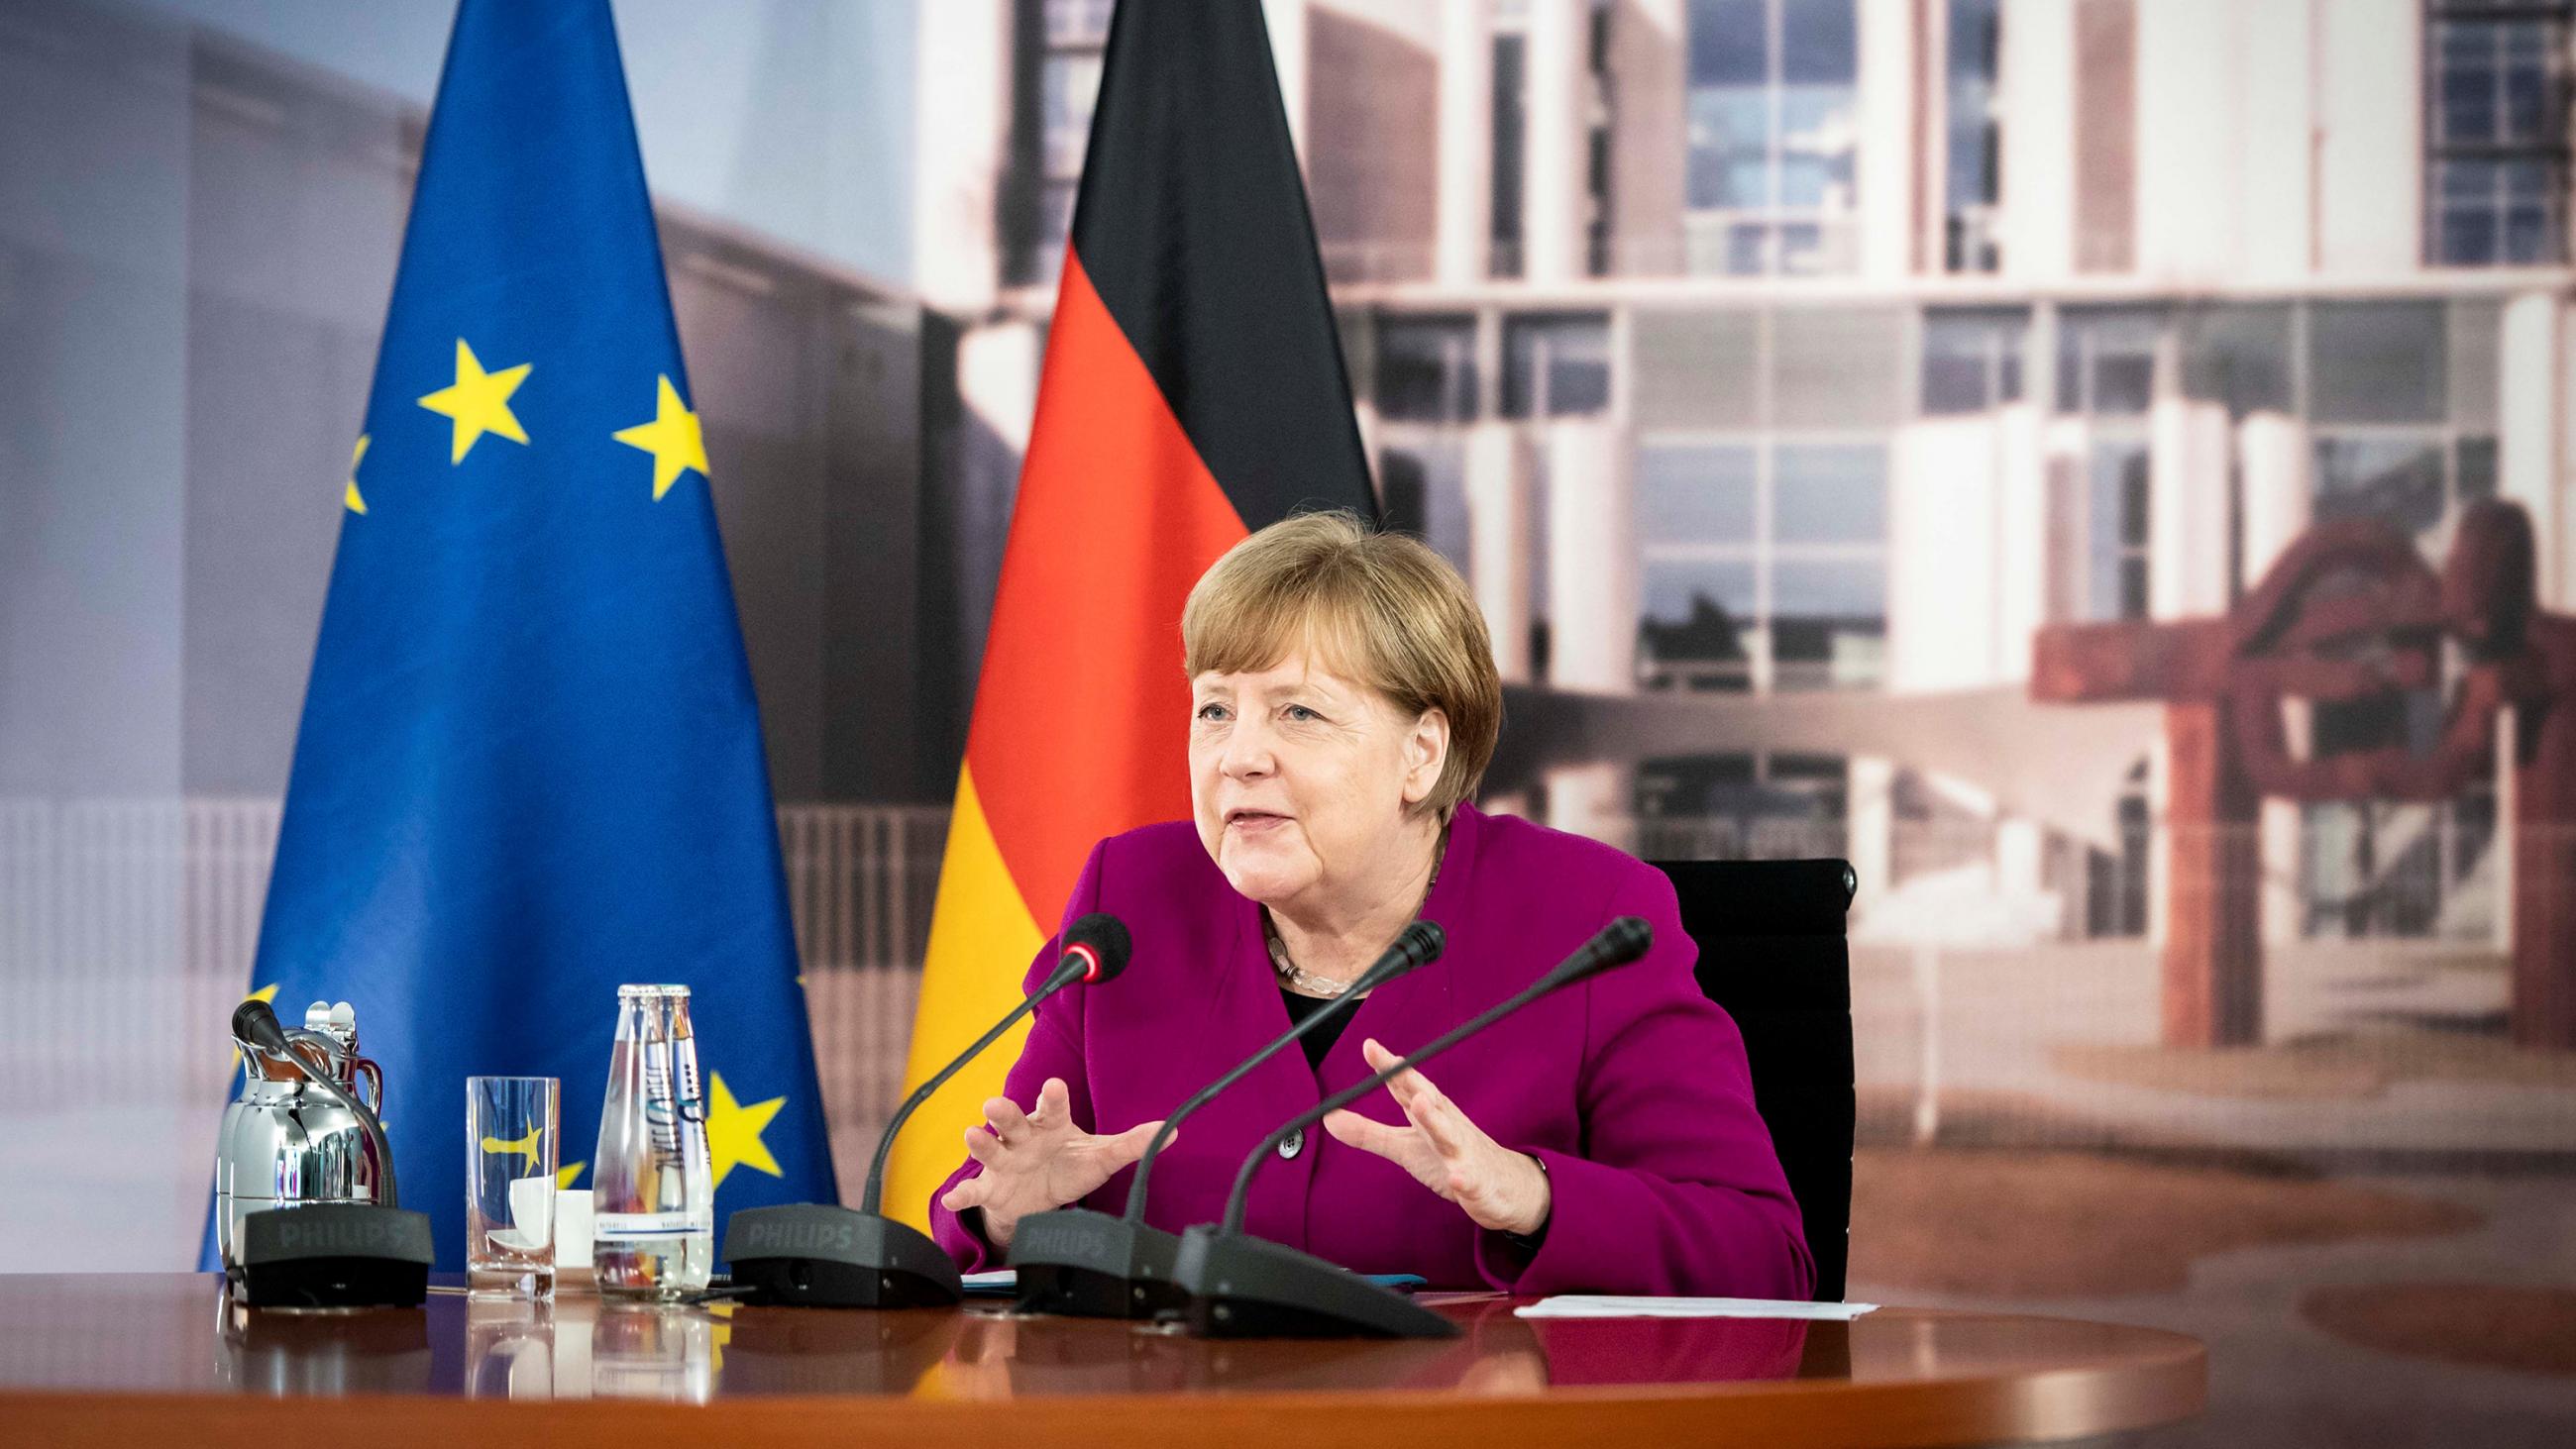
{"points": [[1500, 1189]]}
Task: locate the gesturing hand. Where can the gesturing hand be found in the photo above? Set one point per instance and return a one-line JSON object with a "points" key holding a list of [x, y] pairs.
{"points": [[1037, 1160], [1501, 1189]]}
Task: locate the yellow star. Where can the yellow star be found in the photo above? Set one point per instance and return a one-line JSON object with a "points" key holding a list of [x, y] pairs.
{"points": [[673, 438], [722, 1332], [355, 503], [266, 993], [565, 1178], [733, 1131], [478, 401]]}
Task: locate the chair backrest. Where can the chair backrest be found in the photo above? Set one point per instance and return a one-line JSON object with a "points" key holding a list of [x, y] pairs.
{"points": [[1772, 952]]}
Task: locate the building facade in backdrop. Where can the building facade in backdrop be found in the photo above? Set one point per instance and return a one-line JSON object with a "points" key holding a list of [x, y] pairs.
{"points": [[1796, 359]]}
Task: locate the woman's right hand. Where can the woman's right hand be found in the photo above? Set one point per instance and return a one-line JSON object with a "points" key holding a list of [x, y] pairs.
{"points": [[1037, 1160]]}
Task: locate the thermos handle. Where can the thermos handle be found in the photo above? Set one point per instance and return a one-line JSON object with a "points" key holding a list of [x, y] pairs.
{"points": [[365, 1069]]}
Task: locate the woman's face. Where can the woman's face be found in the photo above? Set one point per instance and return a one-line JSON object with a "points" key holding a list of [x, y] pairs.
{"points": [[1301, 780]]}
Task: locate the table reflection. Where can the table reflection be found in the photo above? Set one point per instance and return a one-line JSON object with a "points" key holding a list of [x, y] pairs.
{"points": [[577, 1346], [172, 1350], [324, 1352]]}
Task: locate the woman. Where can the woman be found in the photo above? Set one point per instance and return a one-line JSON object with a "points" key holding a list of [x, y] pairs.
{"points": [[1343, 706]]}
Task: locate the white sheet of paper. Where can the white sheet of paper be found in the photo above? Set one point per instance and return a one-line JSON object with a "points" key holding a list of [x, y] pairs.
{"points": [[1577, 1305]]}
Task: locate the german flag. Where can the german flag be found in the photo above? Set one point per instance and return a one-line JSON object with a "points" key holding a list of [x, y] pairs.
{"points": [[1193, 391]]}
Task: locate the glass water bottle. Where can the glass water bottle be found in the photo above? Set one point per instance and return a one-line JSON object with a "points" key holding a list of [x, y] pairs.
{"points": [[653, 1209]]}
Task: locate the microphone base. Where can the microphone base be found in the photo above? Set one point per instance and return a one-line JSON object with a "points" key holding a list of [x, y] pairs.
{"points": [[1241, 1286], [1084, 1264], [333, 1255], [814, 1255]]}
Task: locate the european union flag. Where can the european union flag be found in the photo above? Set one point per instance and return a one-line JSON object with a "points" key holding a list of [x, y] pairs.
{"points": [[530, 765]]}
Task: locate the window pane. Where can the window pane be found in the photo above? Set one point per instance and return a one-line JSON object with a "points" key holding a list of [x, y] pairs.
{"points": [[1817, 141], [1072, 86], [1695, 787], [2239, 356], [1729, 43], [1972, 360], [2468, 81], [2398, 479], [1077, 22], [1679, 591], [1844, 589], [1694, 494], [1055, 225], [1554, 366], [1805, 251], [1828, 622], [1972, 144], [2496, 120], [1816, 41], [2468, 232], [1748, 247], [1510, 122], [1730, 148], [2525, 118], [2107, 361], [1425, 488], [1829, 495], [2477, 469], [2472, 359], [1426, 369], [2377, 362], [1697, 616], [2116, 533]]}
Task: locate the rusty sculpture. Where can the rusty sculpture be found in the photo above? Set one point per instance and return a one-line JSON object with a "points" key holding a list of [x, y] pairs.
{"points": [[2350, 613]]}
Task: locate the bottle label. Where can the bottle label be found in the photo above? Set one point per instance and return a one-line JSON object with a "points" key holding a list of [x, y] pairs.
{"points": [[651, 1225]]}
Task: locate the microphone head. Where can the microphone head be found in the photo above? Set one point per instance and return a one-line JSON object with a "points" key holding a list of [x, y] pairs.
{"points": [[1416, 945], [1625, 939], [1102, 940], [256, 1023], [1616, 944]]}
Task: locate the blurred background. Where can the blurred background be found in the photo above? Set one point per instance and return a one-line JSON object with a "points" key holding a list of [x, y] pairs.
{"points": [[1777, 371]]}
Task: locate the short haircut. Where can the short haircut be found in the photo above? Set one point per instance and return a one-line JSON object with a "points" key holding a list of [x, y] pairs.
{"points": [[1379, 608]]}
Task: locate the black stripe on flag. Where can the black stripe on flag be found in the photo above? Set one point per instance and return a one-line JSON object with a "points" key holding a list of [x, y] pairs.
{"points": [[1193, 227]]}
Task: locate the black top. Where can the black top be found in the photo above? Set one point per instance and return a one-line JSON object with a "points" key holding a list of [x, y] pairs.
{"points": [[1321, 1039]]}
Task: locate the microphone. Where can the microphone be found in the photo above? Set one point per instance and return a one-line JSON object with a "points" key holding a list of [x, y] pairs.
{"points": [[1241, 1286], [1087, 1264], [256, 1027], [255, 1022], [828, 1256], [1096, 949]]}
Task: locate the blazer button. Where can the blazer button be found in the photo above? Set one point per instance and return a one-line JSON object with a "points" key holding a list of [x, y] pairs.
{"points": [[1294, 1143]]}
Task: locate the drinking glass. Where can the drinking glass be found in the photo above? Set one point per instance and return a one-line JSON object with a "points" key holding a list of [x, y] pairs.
{"points": [[512, 1126]]}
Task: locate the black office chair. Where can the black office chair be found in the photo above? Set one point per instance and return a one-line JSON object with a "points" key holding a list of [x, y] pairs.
{"points": [[1772, 952]]}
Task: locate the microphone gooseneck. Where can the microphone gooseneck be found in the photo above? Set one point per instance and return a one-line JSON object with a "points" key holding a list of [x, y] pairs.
{"points": [[1417, 945], [1620, 942], [1096, 949]]}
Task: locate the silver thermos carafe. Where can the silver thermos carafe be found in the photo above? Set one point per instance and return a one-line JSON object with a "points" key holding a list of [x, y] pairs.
{"points": [[285, 1142]]}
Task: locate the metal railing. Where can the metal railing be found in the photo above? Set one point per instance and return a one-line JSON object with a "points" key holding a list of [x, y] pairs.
{"points": [[127, 930]]}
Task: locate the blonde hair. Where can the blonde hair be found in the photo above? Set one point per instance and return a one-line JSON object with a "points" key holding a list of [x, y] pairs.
{"points": [[1379, 608]]}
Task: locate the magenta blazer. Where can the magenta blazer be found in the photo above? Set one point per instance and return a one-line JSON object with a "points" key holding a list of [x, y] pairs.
{"points": [[1630, 1087]]}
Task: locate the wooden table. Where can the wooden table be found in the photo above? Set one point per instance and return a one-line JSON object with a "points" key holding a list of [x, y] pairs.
{"points": [[150, 1360]]}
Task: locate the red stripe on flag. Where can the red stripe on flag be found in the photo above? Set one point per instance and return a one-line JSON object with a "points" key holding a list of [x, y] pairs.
{"points": [[1081, 724]]}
